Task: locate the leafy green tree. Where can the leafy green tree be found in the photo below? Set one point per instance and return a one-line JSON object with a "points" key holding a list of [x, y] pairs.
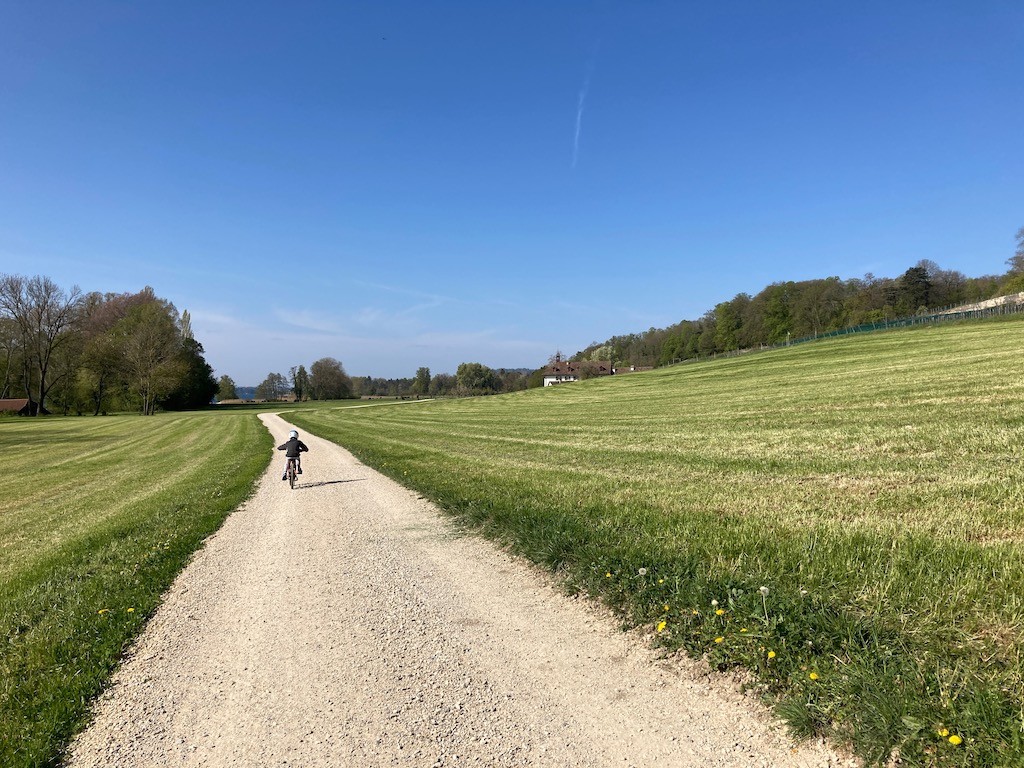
{"points": [[674, 343], [186, 325], [475, 378], [913, 291], [817, 306], [101, 371], [778, 313], [226, 388], [947, 285], [361, 385], [102, 377], [328, 380], [729, 322], [421, 382], [197, 385], [867, 300], [150, 345], [273, 387], [984, 287], [442, 384], [513, 380], [147, 342], [706, 340]]}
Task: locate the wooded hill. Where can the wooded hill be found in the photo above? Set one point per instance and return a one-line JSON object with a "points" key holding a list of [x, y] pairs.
{"points": [[792, 310]]}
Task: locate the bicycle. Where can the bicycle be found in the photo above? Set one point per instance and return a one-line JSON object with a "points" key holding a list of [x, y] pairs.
{"points": [[292, 471]]}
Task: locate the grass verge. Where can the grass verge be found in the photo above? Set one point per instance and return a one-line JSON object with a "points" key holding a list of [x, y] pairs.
{"points": [[844, 519], [97, 517]]}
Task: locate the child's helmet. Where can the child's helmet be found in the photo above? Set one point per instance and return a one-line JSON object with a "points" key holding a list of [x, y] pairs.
{"points": [[293, 433]]}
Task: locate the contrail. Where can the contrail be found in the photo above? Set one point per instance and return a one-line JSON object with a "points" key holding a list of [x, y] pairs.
{"points": [[580, 103], [579, 121]]}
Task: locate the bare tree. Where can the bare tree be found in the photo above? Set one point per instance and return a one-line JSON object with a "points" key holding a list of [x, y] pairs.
{"points": [[1016, 262], [300, 381], [45, 314], [9, 347]]}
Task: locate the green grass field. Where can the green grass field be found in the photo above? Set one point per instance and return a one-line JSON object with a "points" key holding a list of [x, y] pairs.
{"points": [[872, 486], [97, 516]]}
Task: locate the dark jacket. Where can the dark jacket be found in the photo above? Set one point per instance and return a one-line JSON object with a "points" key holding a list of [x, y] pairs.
{"points": [[293, 447]]}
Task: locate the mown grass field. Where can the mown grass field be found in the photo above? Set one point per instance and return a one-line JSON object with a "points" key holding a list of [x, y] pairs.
{"points": [[97, 516], [844, 519]]}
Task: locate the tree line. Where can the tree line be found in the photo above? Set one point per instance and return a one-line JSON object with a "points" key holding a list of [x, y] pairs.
{"points": [[327, 380], [73, 352], [791, 310]]}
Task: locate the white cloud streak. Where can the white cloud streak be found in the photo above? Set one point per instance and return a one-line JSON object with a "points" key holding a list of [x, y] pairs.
{"points": [[579, 122], [580, 103]]}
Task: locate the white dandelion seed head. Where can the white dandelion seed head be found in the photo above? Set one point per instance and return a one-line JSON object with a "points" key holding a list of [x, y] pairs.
{"points": [[641, 572], [764, 591], [714, 603]]}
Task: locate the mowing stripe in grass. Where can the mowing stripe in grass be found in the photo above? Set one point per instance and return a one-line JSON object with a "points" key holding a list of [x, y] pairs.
{"points": [[97, 516], [871, 484]]}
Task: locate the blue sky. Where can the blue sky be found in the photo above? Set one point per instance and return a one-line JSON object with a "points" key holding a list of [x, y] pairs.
{"points": [[400, 184]]}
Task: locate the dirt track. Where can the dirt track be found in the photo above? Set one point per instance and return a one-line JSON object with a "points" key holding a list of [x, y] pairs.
{"points": [[343, 624]]}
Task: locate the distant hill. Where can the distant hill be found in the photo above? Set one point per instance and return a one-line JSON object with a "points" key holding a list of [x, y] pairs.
{"points": [[809, 308], [246, 393]]}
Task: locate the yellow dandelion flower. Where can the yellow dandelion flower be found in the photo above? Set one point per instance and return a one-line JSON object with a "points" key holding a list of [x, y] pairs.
{"points": [[661, 626], [813, 675], [771, 654], [744, 629], [661, 581], [954, 740], [719, 612], [719, 639], [131, 610], [608, 575], [695, 612], [944, 732], [666, 609], [101, 611]]}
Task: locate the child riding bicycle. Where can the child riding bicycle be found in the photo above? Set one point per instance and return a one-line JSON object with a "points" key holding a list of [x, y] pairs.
{"points": [[292, 449]]}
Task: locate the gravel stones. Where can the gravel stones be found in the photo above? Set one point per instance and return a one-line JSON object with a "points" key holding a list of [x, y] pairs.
{"points": [[342, 624]]}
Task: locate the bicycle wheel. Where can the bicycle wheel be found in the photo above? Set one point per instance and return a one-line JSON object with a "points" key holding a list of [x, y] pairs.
{"points": [[291, 474]]}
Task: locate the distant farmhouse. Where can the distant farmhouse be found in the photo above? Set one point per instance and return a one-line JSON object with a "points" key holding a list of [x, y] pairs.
{"points": [[564, 371]]}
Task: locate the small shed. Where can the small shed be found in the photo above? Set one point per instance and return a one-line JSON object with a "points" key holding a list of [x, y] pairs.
{"points": [[18, 405]]}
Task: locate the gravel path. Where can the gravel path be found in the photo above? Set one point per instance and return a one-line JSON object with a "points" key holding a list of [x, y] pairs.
{"points": [[344, 624]]}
